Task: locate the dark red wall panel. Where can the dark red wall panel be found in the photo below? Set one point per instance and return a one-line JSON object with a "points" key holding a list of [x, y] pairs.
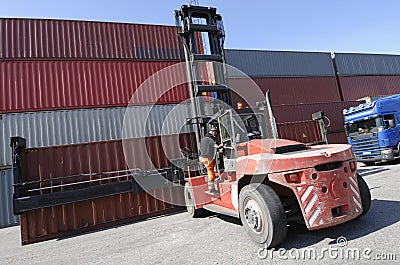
{"points": [[68, 219], [300, 112], [49, 85], [68, 39], [302, 131], [294, 90], [337, 138], [356, 87]]}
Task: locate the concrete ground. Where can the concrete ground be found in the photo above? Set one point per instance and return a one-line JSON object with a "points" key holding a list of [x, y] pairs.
{"points": [[215, 239]]}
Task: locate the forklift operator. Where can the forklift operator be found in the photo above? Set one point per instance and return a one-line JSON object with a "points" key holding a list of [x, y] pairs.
{"points": [[207, 154]]}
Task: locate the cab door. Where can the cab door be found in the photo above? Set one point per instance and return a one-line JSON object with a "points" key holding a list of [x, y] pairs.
{"points": [[232, 131]]}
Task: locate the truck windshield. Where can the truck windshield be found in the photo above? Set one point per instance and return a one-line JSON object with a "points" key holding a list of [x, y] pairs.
{"points": [[364, 126]]}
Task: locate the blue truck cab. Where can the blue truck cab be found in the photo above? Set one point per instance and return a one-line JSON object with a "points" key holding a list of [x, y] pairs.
{"points": [[373, 129]]}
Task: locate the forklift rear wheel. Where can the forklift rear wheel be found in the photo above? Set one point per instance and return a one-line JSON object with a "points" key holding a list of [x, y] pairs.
{"points": [[193, 212], [364, 193], [262, 214]]}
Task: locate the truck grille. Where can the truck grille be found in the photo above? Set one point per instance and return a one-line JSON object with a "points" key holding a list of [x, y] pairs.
{"points": [[365, 146]]}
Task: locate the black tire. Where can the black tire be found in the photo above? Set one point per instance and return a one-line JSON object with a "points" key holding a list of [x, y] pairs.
{"points": [[262, 214], [364, 193], [398, 149], [369, 164], [193, 212]]}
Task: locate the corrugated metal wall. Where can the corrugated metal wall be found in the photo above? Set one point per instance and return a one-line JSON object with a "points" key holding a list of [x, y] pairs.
{"points": [[306, 131], [51, 128], [52, 162], [337, 138], [7, 217], [333, 111], [356, 87], [355, 64], [67, 39], [69, 67], [294, 90], [300, 112], [33, 86], [258, 63], [102, 64]]}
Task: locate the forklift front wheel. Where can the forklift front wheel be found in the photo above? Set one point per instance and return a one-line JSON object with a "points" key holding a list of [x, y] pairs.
{"points": [[193, 212], [262, 214]]}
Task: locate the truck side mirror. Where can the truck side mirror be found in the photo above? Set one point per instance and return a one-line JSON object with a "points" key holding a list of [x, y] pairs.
{"points": [[391, 123]]}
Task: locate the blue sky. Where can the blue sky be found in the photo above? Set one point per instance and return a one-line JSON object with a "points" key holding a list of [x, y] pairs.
{"points": [[362, 26]]}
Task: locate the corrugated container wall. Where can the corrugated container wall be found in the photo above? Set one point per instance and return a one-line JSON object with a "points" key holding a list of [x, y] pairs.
{"points": [[69, 219], [51, 128], [293, 90], [353, 64], [357, 87], [306, 131], [7, 217], [258, 63], [301, 112], [66, 39], [49, 85], [337, 138]]}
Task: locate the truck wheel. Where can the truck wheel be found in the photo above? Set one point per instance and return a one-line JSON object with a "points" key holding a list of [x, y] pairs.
{"points": [[364, 193], [193, 212], [398, 149], [262, 214]]}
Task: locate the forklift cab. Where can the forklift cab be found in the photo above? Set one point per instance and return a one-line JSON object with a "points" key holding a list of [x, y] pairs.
{"points": [[234, 127]]}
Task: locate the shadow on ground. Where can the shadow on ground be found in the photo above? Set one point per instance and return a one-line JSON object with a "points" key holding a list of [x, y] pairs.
{"points": [[371, 170], [298, 236]]}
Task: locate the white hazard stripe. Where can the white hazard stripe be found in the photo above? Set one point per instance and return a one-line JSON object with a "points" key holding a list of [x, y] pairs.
{"points": [[353, 180], [356, 197], [314, 216], [354, 191], [357, 202], [311, 203], [306, 193]]}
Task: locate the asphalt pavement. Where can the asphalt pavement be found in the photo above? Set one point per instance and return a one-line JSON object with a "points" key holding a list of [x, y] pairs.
{"points": [[216, 239]]}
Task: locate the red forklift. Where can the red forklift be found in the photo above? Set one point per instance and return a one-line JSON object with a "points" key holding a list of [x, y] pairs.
{"points": [[265, 181]]}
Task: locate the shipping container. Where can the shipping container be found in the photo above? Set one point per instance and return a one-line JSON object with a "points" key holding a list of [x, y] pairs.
{"points": [[64, 220], [307, 131], [354, 64], [68, 39], [61, 127], [259, 63], [292, 90], [7, 217], [357, 87], [50, 85], [301, 112], [337, 137]]}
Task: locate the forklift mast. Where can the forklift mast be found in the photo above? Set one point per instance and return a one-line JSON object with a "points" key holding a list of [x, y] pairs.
{"points": [[201, 31]]}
